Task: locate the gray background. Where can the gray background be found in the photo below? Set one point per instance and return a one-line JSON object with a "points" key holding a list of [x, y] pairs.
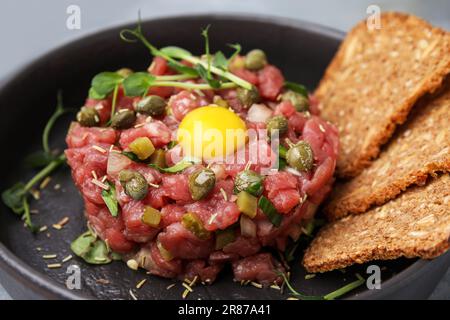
{"points": [[30, 28]]}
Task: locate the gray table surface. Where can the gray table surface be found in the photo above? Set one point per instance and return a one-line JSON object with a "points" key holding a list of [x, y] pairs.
{"points": [[40, 26]]}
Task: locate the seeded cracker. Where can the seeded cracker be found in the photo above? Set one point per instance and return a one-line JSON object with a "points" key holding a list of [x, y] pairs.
{"points": [[375, 79], [420, 148], [416, 224]]}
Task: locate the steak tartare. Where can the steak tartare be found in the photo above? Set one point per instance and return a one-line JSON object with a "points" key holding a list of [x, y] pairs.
{"points": [[180, 217]]}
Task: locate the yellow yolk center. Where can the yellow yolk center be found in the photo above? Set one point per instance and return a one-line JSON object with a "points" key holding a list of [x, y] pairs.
{"points": [[211, 132]]}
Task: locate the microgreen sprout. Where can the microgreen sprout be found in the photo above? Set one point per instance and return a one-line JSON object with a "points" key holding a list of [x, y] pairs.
{"points": [[16, 197]]}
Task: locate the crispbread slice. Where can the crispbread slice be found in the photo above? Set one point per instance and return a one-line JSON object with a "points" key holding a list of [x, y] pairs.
{"points": [[416, 224], [420, 148], [375, 79]]}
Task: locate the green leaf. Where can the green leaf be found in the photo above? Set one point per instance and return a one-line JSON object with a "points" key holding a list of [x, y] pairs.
{"points": [[269, 210], [95, 95], [39, 159], [105, 82], [98, 253], [175, 52], [82, 244], [13, 197], [214, 83], [92, 249], [137, 84], [296, 87], [109, 197], [180, 166], [115, 256], [220, 61]]}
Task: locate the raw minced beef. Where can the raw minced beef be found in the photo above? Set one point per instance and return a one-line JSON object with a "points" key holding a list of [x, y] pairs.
{"points": [[96, 151]]}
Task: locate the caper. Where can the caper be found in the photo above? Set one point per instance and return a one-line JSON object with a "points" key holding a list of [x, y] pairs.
{"points": [[134, 184], [279, 123], [248, 97], [88, 117], [300, 156], [152, 106], [123, 119], [299, 101], [124, 72], [249, 181], [201, 182], [255, 59]]}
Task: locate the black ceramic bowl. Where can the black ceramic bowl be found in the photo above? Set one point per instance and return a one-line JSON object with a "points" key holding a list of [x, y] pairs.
{"points": [[27, 98]]}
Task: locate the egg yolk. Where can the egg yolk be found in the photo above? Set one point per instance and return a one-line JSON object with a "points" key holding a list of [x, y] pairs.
{"points": [[211, 132]]}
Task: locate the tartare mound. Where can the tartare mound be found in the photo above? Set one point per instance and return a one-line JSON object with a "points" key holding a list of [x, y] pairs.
{"points": [[99, 157]]}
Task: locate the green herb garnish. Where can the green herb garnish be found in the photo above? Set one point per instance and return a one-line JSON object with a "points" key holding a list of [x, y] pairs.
{"points": [[237, 49], [296, 87], [269, 210], [16, 197], [171, 144], [130, 155], [109, 197], [282, 151], [330, 296], [137, 84], [104, 83], [43, 157], [296, 293], [220, 61], [174, 54], [92, 249], [180, 166]]}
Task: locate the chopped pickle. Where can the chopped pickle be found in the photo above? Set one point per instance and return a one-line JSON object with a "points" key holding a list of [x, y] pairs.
{"points": [[142, 147], [224, 237], [220, 102], [158, 158], [164, 252], [193, 223], [151, 217], [247, 204]]}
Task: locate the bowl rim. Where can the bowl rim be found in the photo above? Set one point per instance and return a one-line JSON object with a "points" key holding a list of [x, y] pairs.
{"points": [[20, 271]]}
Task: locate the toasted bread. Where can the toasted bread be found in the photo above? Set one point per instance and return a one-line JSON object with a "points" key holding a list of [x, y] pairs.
{"points": [[416, 224], [375, 79], [421, 147]]}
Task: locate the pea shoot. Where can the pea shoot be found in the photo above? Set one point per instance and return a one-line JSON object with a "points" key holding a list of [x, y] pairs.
{"points": [[330, 296], [174, 56], [16, 197]]}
